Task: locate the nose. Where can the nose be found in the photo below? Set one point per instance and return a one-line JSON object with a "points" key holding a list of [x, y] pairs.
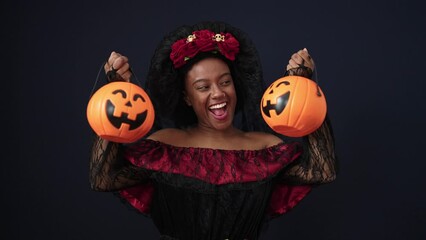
{"points": [[217, 92]]}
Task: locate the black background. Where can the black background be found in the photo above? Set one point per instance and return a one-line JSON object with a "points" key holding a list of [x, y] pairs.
{"points": [[370, 57]]}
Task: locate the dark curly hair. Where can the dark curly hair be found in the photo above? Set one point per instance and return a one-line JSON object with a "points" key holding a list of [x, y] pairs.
{"points": [[165, 84]]}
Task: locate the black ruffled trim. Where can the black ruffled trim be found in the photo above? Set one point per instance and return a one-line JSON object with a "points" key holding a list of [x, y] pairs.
{"points": [[180, 181]]}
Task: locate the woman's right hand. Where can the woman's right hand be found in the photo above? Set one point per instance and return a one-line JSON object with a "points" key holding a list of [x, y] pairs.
{"points": [[117, 67]]}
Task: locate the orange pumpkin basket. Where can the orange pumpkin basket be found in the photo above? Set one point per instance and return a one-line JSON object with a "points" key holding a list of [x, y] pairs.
{"points": [[293, 106], [120, 112]]}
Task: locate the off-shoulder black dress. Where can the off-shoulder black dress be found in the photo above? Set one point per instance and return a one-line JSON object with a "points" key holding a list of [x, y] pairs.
{"points": [[209, 194]]}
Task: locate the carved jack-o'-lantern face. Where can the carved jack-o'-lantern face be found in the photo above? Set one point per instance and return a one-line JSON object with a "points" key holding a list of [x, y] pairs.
{"points": [[293, 106], [120, 112]]}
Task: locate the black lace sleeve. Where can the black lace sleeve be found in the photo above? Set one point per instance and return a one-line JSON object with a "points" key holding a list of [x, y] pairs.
{"points": [[318, 164], [109, 171]]}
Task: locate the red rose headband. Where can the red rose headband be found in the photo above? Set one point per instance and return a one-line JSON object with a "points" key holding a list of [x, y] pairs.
{"points": [[204, 41]]}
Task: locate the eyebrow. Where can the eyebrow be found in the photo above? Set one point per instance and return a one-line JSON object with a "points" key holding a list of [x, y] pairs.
{"points": [[204, 79]]}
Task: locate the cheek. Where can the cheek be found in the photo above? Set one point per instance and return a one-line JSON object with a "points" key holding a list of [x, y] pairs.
{"points": [[195, 99], [232, 94]]}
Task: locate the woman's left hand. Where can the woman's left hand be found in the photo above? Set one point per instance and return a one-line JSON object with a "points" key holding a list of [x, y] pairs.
{"points": [[301, 57]]}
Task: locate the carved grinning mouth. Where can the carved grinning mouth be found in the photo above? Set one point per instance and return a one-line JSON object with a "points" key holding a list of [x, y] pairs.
{"points": [[122, 119], [282, 101]]}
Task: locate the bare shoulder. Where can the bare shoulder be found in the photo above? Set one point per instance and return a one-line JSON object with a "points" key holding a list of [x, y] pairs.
{"points": [[266, 139], [167, 135]]}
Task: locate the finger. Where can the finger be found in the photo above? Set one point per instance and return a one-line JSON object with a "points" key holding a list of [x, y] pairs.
{"points": [[112, 58], [110, 62], [119, 62], [115, 58], [307, 59], [292, 64], [123, 73], [124, 68], [297, 58], [118, 67], [107, 67], [304, 55], [126, 75]]}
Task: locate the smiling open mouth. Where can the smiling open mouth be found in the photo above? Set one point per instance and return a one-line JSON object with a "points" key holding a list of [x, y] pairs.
{"points": [[218, 109]]}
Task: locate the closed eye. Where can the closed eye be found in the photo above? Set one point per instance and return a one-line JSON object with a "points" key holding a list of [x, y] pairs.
{"points": [[123, 93], [283, 82], [202, 88], [226, 83], [138, 96]]}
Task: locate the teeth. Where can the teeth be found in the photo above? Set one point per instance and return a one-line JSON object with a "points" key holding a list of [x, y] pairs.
{"points": [[221, 105]]}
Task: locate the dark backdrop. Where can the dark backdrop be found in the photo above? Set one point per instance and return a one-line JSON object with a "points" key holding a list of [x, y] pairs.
{"points": [[370, 57]]}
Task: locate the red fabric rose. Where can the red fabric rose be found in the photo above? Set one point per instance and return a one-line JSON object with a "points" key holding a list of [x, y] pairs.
{"points": [[230, 47], [203, 41], [178, 49]]}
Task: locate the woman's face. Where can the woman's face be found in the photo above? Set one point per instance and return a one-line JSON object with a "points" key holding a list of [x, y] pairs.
{"points": [[209, 89]]}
